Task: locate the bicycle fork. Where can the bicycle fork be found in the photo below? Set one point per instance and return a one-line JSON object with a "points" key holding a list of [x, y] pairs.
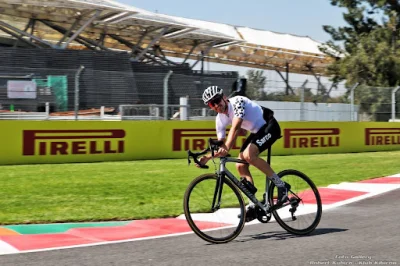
{"points": [[216, 204]]}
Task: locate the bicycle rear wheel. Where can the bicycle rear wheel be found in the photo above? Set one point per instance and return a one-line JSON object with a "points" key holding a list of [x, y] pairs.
{"points": [[215, 224], [302, 213]]}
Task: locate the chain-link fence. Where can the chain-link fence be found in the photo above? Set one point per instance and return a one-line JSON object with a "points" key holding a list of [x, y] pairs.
{"points": [[51, 94], [53, 84], [325, 102], [377, 103]]}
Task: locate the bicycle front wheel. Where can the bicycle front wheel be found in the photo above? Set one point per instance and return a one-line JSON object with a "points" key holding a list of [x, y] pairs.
{"points": [[216, 221], [302, 213]]}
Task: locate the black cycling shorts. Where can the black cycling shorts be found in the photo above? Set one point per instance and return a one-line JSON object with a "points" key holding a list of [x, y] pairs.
{"points": [[265, 136]]}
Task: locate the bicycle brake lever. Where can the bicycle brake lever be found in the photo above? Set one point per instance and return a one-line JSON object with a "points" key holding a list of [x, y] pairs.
{"points": [[188, 158]]}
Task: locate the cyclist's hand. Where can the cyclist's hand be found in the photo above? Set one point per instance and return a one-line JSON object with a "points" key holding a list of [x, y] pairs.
{"points": [[222, 151], [203, 161]]}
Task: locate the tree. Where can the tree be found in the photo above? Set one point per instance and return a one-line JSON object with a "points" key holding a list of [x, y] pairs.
{"points": [[255, 84], [370, 42]]}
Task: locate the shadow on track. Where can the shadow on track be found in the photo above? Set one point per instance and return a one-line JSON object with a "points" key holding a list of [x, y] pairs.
{"points": [[279, 235]]}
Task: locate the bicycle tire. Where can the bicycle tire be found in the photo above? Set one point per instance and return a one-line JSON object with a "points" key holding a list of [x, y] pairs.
{"points": [[204, 233], [314, 191]]}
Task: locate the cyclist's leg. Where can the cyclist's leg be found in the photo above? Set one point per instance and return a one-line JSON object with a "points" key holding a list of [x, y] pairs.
{"points": [[263, 139], [243, 169]]}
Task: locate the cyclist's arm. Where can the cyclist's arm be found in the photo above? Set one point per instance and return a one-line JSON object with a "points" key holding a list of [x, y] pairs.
{"points": [[233, 132], [239, 110]]}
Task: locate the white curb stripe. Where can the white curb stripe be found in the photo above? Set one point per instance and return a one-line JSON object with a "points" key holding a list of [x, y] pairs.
{"points": [[6, 248]]}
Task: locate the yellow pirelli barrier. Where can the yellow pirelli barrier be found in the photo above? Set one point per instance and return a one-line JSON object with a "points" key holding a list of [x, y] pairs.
{"points": [[28, 142]]}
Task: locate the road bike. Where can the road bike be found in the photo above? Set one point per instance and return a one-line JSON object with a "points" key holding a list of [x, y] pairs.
{"points": [[215, 209]]}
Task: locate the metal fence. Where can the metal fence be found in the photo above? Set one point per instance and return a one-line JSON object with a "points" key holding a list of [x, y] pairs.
{"points": [[81, 93], [377, 103], [77, 84], [52, 84], [357, 103], [317, 103], [176, 96]]}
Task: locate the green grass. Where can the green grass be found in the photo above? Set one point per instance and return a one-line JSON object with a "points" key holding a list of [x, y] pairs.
{"points": [[147, 189]]}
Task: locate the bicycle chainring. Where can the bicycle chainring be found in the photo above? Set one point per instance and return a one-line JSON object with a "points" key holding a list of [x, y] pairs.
{"points": [[263, 217]]}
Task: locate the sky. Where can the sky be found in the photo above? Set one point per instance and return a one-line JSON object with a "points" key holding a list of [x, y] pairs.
{"points": [[297, 17]]}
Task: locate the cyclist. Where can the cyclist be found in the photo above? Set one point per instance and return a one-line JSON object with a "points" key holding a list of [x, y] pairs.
{"points": [[242, 113]]}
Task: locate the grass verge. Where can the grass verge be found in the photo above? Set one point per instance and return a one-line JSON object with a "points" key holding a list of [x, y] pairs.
{"points": [[148, 189]]}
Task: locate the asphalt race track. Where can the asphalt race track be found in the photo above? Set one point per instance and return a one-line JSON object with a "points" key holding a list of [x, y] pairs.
{"points": [[361, 233]]}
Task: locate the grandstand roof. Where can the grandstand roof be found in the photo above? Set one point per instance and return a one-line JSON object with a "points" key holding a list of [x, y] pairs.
{"points": [[106, 24]]}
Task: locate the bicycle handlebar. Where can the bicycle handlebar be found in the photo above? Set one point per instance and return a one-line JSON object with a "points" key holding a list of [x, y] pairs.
{"points": [[213, 145]]}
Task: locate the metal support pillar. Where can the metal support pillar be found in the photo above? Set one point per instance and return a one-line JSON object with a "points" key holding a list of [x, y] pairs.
{"points": [[288, 87], [166, 79], [352, 101], [394, 103], [19, 37], [77, 76], [203, 54], [79, 31], [8, 26], [68, 32], [287, 78], [190, 52], [82, 40], [137, 58], [26, 29], [302, 111]]}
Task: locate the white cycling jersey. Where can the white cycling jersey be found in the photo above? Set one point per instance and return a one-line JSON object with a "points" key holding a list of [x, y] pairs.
{"points": [[242, 107]]}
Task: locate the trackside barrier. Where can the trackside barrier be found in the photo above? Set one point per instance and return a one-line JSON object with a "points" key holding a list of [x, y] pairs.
{"points": [[32, 142]]}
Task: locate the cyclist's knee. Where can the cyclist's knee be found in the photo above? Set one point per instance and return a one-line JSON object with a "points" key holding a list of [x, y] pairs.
{"points": [[251, 153], [240, 167]]}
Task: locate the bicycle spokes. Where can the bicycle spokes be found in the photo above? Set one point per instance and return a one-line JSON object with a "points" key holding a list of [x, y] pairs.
{"points": [[220, 223], [301, 213]]}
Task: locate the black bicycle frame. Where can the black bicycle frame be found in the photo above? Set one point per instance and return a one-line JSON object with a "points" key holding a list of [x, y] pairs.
{"points": [[224, 172]]}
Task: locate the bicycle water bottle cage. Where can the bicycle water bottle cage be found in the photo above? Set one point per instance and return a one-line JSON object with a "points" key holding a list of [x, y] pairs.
{"points": [[250, 187]]}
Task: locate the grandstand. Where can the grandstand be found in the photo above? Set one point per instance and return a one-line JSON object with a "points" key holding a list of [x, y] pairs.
{"points": [[126, 53], [148, 36]]}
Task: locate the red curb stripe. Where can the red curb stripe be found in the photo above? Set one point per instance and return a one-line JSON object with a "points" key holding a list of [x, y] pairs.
{"points": [[30, 242], [331, 195], [142, 228], [382, 180], [79, 236]]}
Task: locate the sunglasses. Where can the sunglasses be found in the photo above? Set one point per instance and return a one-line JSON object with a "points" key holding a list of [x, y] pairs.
{"points": [[214, 101]]}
